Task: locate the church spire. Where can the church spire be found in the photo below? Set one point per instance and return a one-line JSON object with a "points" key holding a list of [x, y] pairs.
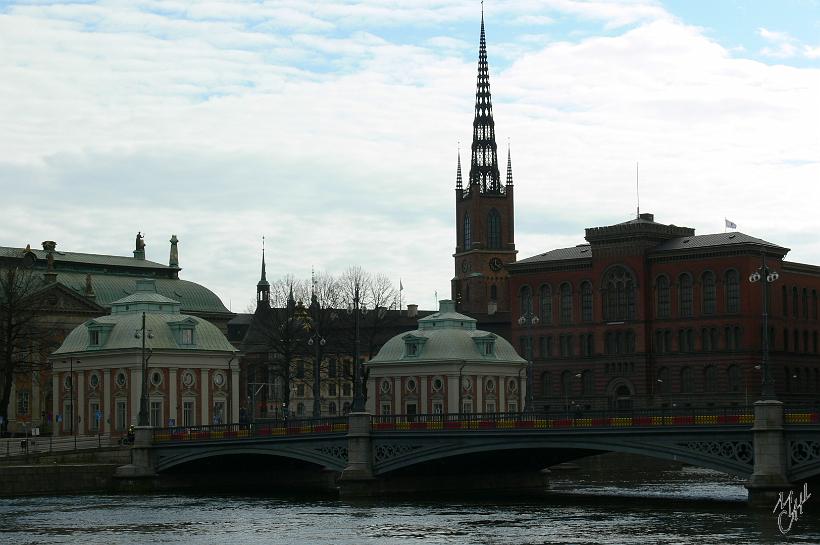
{"points": [[263, 287], [458, 171], [509, 167], [484, 160]]}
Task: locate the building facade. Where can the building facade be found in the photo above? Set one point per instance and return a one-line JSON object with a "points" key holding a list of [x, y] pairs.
{"points": [[70, 288], [191, 378], [446, 366], [651, 315]]}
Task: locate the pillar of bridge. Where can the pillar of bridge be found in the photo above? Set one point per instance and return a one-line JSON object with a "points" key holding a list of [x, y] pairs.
{"points": [[142, 460], [770, 463], [357, 478]]}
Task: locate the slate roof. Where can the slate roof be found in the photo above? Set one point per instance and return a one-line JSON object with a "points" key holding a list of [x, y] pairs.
{"points": [[581, 251], [716, 239]]}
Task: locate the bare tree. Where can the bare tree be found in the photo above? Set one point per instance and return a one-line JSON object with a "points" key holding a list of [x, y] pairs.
{"points": [[20, 342]]}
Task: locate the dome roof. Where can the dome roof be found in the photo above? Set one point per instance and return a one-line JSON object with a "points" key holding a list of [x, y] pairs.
{"points": [[168, 328], [447, 336]]}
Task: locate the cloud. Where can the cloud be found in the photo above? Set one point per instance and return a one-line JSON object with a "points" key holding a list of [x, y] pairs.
{"points": [[332, 129]]}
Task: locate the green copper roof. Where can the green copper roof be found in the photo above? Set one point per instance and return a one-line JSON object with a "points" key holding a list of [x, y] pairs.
{"points": [[122, 329], [95, 260], [447, 336]]}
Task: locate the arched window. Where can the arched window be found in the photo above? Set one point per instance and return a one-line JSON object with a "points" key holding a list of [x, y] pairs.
{"points": [[785, 299], [331, 408], [662, 304], [545, 300], [586, 302], [734, 378], [686, 385], [526, 300], [587, 383], [663, 380], [710, 379], [468, 232], [619, 295], [709, 292], [795, 307], [805, 304], [685, 295], [732, 291], [493, 230], [566, 303]]}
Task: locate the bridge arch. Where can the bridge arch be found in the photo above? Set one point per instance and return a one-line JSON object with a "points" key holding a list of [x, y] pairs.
{"points": [[332, 457]]}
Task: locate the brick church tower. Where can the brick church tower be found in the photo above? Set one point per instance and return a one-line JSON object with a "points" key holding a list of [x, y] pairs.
{"points": [[485, 240]]}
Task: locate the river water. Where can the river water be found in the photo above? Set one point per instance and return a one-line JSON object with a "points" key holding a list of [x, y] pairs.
{"points": [[675, 506]]}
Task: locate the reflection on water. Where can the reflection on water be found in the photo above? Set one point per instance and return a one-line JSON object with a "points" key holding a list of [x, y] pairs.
{"points": [[587, 505]]}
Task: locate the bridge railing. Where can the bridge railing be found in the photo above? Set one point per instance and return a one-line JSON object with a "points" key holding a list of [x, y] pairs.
{"points": [[263, 428], [576, 419]]}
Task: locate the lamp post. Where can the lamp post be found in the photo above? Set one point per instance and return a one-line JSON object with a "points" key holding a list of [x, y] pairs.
{"points": [[765, 276], [71, 396], [357, 309], [530, 319], [141, 333], [317, 341]]}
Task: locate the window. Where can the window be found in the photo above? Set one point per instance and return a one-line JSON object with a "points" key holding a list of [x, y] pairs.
{"points": [[386, 409], [300, 409], [686, 340], [219, 412], [710, 378], [814, 342], [662, 309], [546, 346], [795, 308], [566, 303], [468, 233], [300, 390], [813, 304], [805, 341], [331, 389], [586, 302], [663, 380], [686, 385], [493, 292], [709, 292], [619, 295], [94, 338], [545, 299], [587, 383], [526, 300], [706, 340], [300, 369], [588, 345], [438, 407], [685, 295], [186, 336], [546, 384], [734, 378], [566, 383], [466, 406], [526, 347], [120, 413], [93, 420], [188, 414], [490, 406], [155, 414], [785, 340], [796, 345], [331, 408], [346, 389], [785, 300], [331, 368], [732, 291], [566, 345], [494, 230], [805, 304], [23, 402]]}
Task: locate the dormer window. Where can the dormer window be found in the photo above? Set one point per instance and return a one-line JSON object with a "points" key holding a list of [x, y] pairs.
{"points": [[486, 345], [98, 333], [412, 349], [186, 336], [184, 332], [413, 345], [94, 338]]}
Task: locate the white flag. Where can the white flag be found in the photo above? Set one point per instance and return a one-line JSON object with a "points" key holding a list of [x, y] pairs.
{"points": [[730, 224], [401, 287]]}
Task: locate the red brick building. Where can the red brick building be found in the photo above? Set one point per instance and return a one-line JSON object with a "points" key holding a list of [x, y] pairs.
{"points": [[651, 315]]}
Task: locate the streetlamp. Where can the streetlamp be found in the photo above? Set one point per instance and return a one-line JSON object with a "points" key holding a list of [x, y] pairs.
{"points": [[765, 276], [530, 319], [317, 341], [71, 395], [141, 333], [357, 309]]}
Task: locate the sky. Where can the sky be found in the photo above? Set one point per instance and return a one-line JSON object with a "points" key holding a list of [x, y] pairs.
{"points": [[332, 128]]}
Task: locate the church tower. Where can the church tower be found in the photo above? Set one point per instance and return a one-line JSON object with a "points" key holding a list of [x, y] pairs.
{"points": [[485, 240]]}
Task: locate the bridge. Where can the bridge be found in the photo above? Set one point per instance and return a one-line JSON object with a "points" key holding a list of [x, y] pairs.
{"points": [[770, 447]]}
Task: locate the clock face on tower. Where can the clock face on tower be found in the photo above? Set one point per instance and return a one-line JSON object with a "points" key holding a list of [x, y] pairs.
{"points": [[496, 264], [465, 266]]}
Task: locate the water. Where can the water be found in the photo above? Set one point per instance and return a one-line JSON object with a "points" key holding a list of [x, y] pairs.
{"points": [[675, 506]]}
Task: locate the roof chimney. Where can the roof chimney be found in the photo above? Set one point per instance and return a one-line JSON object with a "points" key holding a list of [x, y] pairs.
{"points": [[173, 260], [412, 311]]}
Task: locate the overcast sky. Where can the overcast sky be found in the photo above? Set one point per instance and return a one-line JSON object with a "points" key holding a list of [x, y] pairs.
{"points": [[332, 127]]}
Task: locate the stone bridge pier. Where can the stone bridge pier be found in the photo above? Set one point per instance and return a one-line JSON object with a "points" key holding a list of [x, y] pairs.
{"points": [[770, 457]]}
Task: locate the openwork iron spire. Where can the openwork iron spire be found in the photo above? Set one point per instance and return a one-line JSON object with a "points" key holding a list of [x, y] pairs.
{"points": [[263, 281], [458, 171], [484, 163], [509, 167]]}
